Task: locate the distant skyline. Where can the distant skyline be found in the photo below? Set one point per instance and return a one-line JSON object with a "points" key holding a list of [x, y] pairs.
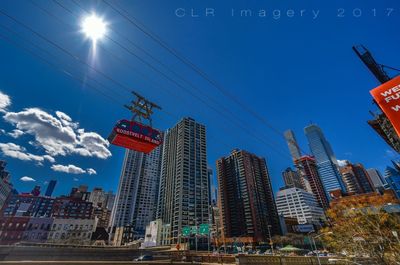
{"points": [[290, 71]]}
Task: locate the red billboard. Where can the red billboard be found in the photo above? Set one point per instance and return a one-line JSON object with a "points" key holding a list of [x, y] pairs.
{"points": [[387, 96]]}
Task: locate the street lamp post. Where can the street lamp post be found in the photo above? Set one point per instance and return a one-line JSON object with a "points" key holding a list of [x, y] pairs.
{"points": [[270, 239], [315, 245]]}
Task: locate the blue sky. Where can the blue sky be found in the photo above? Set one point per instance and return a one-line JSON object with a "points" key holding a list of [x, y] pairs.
{"points": [[290, 70]]}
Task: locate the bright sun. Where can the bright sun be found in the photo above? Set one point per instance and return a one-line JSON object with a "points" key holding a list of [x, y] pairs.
{"points": [[94, 27]]}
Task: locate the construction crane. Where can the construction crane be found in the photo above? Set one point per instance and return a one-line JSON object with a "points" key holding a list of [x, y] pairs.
{"points": [[376, 69], [380, 123]]}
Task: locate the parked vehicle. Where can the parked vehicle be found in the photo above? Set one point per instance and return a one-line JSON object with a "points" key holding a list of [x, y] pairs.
{"points": [[144, 258]]}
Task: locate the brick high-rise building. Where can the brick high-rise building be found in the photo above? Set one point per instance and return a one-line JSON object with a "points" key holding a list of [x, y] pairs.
{"points": [[309, 171], [184, 184], [356, 178], [72, 208], [246, 200], [350, 180], [26, 204], [363, 178]]}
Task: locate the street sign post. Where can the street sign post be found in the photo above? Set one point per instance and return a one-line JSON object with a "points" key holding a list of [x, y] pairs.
{"points": [[186, 231]]}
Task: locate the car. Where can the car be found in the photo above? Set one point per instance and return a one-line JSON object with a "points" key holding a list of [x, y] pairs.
{"points": [[250, 252], [268, 252], [144, 258]]}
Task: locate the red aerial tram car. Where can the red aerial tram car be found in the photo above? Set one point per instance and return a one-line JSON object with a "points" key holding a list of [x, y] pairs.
{"points": [[136, 136]]}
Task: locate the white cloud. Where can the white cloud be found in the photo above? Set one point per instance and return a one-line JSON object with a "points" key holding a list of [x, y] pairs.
{"points": [[16, 133], [58, 135], [19, 152], [75, 179], [5, 101], [27, 179], [91, 171], [49, 158], [342, 163], [93, 143], [70, 169], [66, 120], [63, 116], [2, 131]]}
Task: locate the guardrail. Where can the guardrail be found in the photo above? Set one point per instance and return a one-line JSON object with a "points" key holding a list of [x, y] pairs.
{"points": [[209, 258]]}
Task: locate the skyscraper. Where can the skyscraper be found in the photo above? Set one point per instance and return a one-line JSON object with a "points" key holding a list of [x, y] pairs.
{"points": [[312, 181], [392, 178], [246, 198], [376, 177], [184, 182], [292, 144], [50, 188], [136, 199], [325, 158]]}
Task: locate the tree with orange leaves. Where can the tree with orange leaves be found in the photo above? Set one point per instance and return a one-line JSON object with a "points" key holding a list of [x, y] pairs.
{"points": [[361, 225]]}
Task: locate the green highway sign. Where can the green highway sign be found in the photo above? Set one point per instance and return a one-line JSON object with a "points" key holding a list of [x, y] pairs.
{"points": [[204, 229], [186, 231], [194, 230]]}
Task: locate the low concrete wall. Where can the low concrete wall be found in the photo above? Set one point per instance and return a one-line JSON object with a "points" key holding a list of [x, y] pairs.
{"points": [[279, 260], [93, 263], [19, 253], [209, 258]]}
